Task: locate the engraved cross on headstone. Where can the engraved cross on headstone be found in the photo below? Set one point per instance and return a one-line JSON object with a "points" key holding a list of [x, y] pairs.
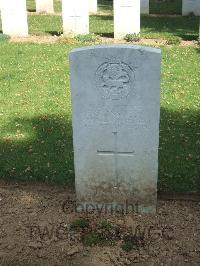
{"points": [[116, 153]]}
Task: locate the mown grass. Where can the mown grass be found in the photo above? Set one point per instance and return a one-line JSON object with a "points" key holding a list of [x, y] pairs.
{"points": [[35, 115], [179, 166], [164, 27], [151, 27], [165, 7], [156, 7], [45, 25], [186, 28], [105, 6], [31, 7]]}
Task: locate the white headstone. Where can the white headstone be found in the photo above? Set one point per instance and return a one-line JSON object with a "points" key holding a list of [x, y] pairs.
{"points": [[44, 6], [93, 6], [14, 17], [75, 15], [116, 105], [144, 6], [191, 6], [126, 18]]}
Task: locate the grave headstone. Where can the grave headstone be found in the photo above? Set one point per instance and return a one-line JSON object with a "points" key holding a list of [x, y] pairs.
{"points": [[191, 7], [126, 18], [75, 15], [115, 114], [144, 6], [14, 17], [93, 6], [44, 6]]}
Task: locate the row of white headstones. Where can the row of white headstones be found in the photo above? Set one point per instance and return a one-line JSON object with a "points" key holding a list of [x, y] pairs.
{"points": [[75, 15]]}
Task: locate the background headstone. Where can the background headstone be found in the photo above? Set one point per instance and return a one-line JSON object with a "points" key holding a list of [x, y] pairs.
{"points": [[116, 105], [75, 15], [44, 6], [14, 17], [191, 6], [144, 6], [126, 18], [93, 6]]}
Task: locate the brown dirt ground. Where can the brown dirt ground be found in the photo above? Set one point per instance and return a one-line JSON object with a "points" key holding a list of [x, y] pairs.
{"points": [[102, 13], [35, 39], [101, 40], [171, 237]]}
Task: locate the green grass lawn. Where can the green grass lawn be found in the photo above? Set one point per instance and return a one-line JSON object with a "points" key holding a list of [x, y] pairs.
{"points": [[35, 115], [105, 6], [45, 25], [151, 27], [32, 8], [156, 7], [165, 7]]}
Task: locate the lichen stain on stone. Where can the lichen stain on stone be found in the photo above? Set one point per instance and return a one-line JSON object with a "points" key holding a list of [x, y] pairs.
{"points": [[106, 192]]}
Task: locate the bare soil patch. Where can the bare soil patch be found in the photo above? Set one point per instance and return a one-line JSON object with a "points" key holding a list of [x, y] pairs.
{"points": [[35, 39], [34, 13], [35, 229], [101, 40]]}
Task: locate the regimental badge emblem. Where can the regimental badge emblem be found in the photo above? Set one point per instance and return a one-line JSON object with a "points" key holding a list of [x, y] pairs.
{"points": [[115, 80]]}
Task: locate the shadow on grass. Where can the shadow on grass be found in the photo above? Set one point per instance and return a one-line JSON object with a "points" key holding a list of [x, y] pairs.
{"points": [[166, 7], [105, 5], [54, 33], [153, 27], [105, 34], [100, 17], [31, 10], [40, 149], [198, 49], [178, 155], [184, 27]]}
